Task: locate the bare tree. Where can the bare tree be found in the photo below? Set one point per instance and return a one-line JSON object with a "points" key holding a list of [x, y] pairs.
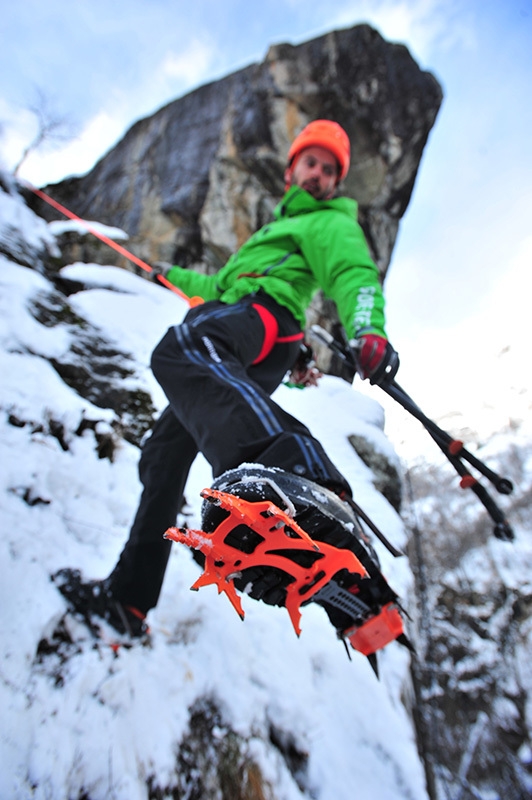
{"points": [[51, 127]]}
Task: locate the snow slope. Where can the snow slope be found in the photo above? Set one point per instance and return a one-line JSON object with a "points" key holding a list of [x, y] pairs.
{"points": [[86, 721]]}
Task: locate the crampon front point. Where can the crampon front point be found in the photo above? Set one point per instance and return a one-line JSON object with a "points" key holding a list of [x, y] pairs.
{"points": [[279, 540]]}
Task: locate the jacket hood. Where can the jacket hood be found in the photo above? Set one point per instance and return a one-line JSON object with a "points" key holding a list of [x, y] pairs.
{"points": [[298, 201]]}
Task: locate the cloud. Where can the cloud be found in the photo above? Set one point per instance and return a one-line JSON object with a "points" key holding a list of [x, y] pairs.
{"points": [[175, 74], [170, 78], [165, 79], [18, 127], [77, 156], [481, 365], [472, 376], [190, 66], [423, 24]]}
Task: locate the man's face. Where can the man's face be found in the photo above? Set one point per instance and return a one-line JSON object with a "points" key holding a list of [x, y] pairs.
{"points": [[316, 171]]}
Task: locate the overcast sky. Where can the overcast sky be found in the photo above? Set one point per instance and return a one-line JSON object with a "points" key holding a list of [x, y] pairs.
{"points": [[458, 286]]}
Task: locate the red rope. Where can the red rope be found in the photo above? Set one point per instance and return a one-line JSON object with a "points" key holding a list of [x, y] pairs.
{"points": [[192, 301]]}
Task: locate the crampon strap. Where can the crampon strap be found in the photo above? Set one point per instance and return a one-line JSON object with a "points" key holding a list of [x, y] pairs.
{"points": [[279, 533]]}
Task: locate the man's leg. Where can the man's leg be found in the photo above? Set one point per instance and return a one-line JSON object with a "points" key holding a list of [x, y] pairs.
{"points": [[163, 468], [204, 366]]}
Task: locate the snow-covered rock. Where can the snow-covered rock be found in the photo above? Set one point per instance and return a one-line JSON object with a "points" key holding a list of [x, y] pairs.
{"points": [[213, 700]]}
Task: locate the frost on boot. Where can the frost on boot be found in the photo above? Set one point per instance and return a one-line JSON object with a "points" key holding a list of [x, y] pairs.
{"points": [[288, 541]]}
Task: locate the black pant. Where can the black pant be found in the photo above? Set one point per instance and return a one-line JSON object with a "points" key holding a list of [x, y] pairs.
{"points": [[220, 405]]}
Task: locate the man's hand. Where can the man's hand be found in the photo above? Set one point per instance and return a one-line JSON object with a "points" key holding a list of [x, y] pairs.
{"points": [[304, 372], [375, 357], [304, 378], [159, 268]]}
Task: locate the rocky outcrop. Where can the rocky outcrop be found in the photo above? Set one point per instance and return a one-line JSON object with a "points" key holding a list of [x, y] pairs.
{"points": [[213, 708], [190, 183], [473, 620], [386, 477]]}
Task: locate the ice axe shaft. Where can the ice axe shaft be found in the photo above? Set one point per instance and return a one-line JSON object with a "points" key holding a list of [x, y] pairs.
{"points": [[453, 449], [454, 452], [371, 525]]}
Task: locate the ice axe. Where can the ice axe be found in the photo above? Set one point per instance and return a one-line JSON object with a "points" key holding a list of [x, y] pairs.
{"points": [[452, 448]]}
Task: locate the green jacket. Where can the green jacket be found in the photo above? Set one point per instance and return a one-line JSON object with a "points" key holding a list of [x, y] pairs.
{"points": [[310, 244]]}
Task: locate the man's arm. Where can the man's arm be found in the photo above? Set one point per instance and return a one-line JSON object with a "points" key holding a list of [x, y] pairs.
{"points": [[337, 253], [349, 276], [193, 283]]}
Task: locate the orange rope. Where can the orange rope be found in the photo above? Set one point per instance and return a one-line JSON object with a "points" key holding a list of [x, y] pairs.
{"points": [[192, 301]]}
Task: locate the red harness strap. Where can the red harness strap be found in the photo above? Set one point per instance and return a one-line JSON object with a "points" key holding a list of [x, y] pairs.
{"points": [[271, 333]]}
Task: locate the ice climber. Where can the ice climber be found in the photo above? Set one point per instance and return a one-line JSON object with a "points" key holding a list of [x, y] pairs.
{"points": [[219, 367]]}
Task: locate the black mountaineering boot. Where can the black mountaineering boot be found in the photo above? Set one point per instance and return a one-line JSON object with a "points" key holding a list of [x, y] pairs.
{"points": [[289, 541], [93, 601], [323, 516]]}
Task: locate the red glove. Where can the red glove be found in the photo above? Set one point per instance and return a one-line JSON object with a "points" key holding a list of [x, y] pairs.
{"points": [[376, 359]]}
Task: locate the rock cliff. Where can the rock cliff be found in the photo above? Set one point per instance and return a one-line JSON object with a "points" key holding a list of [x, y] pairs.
{"points": [[191, 182]]}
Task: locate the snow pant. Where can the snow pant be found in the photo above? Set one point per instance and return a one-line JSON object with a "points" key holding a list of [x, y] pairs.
{"points": [[218, 369]]}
